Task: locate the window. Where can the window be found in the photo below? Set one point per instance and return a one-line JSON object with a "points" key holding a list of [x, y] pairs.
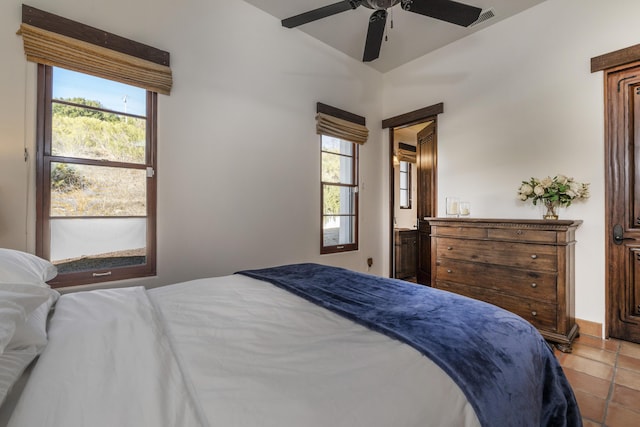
{"points": [[96, 180], [340, 133], [405, 185], [339, 195]]}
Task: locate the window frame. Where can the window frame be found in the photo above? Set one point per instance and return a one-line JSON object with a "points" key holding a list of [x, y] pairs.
{"points": [[44, 158], [408, 180], [345, 247]]}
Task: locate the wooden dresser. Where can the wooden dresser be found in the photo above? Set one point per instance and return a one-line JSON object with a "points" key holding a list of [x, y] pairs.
{"points": [[524, 266]]}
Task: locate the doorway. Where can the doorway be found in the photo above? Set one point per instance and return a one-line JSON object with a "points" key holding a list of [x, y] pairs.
{"points": [[410, 245], [622, 159]]}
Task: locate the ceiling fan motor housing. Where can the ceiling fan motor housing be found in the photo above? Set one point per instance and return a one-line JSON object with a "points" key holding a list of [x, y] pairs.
{"points": [[380, 4]]}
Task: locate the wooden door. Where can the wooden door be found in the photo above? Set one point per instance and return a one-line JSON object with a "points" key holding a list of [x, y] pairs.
{"points": [[427, 179], [622, 160]]}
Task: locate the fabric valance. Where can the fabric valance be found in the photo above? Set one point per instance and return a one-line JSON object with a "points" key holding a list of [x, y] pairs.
{"points": [[406, 153], [339, 128], [51, 48]]}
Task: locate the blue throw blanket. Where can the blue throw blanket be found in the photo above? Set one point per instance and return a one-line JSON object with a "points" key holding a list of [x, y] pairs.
{"points": [[502, 364]]}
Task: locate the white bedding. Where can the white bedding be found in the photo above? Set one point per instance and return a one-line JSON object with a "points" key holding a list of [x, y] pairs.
{"points": [[229, 351]]}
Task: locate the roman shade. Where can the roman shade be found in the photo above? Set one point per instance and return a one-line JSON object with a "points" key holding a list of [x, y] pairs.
{"points": [[406, 153], [51, 40], [333, 122]]}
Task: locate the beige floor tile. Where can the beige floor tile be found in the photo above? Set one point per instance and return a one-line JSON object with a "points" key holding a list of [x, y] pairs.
{"points": [[627, 397], [588, 366], [593, 353], [627, 378], [628, 362], [591, 407], [630, 349], [619, 416], [587, 383]]}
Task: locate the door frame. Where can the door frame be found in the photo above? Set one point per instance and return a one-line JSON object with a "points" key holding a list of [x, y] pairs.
{"points": [[611, 63], [407, 119]]}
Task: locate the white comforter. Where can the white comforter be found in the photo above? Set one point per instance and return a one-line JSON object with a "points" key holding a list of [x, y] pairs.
{"points": [[229, 351]]}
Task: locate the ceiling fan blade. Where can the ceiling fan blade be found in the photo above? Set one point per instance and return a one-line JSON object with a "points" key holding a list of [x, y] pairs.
{"points": [[444, 10], [377, 22], [322, 12]]}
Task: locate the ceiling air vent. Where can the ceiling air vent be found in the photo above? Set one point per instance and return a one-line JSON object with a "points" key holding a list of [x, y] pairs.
{"points": [[484, 16]]}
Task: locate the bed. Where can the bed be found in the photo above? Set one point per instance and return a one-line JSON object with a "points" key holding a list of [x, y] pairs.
{"points": [[294, 345]]}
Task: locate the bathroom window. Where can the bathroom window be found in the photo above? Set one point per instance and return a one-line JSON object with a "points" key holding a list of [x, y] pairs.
{"points": [[405, 185]]}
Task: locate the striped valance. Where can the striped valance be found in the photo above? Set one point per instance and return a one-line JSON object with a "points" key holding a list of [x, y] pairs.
{"points": [[339, 128], [48, 47], [406, 153]]}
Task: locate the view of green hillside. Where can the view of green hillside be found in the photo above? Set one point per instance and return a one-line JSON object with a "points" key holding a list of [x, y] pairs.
{"points": [[88, 133]]}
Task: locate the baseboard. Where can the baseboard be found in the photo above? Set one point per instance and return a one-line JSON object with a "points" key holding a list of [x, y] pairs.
{"points": [[587, 327]]}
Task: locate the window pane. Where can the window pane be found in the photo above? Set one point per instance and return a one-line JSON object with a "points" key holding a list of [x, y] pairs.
{"points": [[82, 190], [337, 168], [404, 200], [338, 146], [115, 96], [338, 200], [403, 181], [338, 230], [80, 244], [92, 134]]}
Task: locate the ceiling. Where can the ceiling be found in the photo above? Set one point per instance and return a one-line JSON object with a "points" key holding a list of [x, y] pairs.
{"points": [[412, 36]]}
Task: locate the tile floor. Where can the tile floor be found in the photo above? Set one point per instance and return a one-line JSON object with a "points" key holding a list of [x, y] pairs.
{"points": [[605, 376]]}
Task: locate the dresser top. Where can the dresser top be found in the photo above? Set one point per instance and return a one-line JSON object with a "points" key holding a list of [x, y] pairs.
{"points": [[541, 224]]}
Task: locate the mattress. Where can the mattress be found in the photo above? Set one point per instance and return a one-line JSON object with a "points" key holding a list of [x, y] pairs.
{"points": [[227, 351]]}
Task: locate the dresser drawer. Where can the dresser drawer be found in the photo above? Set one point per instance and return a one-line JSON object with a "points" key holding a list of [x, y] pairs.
{"points": [[522, 235], [540, 314], [528, 284], [460, 231], [520, 255]]}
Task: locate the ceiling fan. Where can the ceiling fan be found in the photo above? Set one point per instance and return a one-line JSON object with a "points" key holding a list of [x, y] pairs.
{"points": [[444, 10]]}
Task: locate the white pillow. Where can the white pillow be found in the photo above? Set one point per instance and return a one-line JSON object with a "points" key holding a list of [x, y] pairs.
{"points": [[33, 331], [21, 267], [17, 302], [12, 365]]}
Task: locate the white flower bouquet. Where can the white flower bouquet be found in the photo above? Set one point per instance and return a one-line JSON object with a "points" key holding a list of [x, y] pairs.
{"points": [[556, 191]]}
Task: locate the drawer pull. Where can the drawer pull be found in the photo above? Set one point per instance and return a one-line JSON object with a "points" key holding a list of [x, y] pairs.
{"points": [[519, 232], [534, 313], [534, 285], [449, 271], [449, 248], [534, 256]]}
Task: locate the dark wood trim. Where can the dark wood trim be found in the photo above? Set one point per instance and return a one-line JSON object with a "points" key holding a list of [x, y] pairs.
{"points": [[417, 116], [407, 147], [615, 59], [392, 199], [66, 27], [414, 117], [341, 114], [102, 110], [96, 162], [44, 79]]}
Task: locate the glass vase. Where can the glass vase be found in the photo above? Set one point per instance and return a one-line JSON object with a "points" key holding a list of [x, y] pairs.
{"points": [[551, 210]]}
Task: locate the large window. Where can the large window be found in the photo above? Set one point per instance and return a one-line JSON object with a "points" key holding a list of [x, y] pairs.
{"points": [[339, 195], [96, 181]]}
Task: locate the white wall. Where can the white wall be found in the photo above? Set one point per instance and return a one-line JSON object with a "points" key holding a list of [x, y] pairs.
{"points": [[238, 157], [520, 101]]}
